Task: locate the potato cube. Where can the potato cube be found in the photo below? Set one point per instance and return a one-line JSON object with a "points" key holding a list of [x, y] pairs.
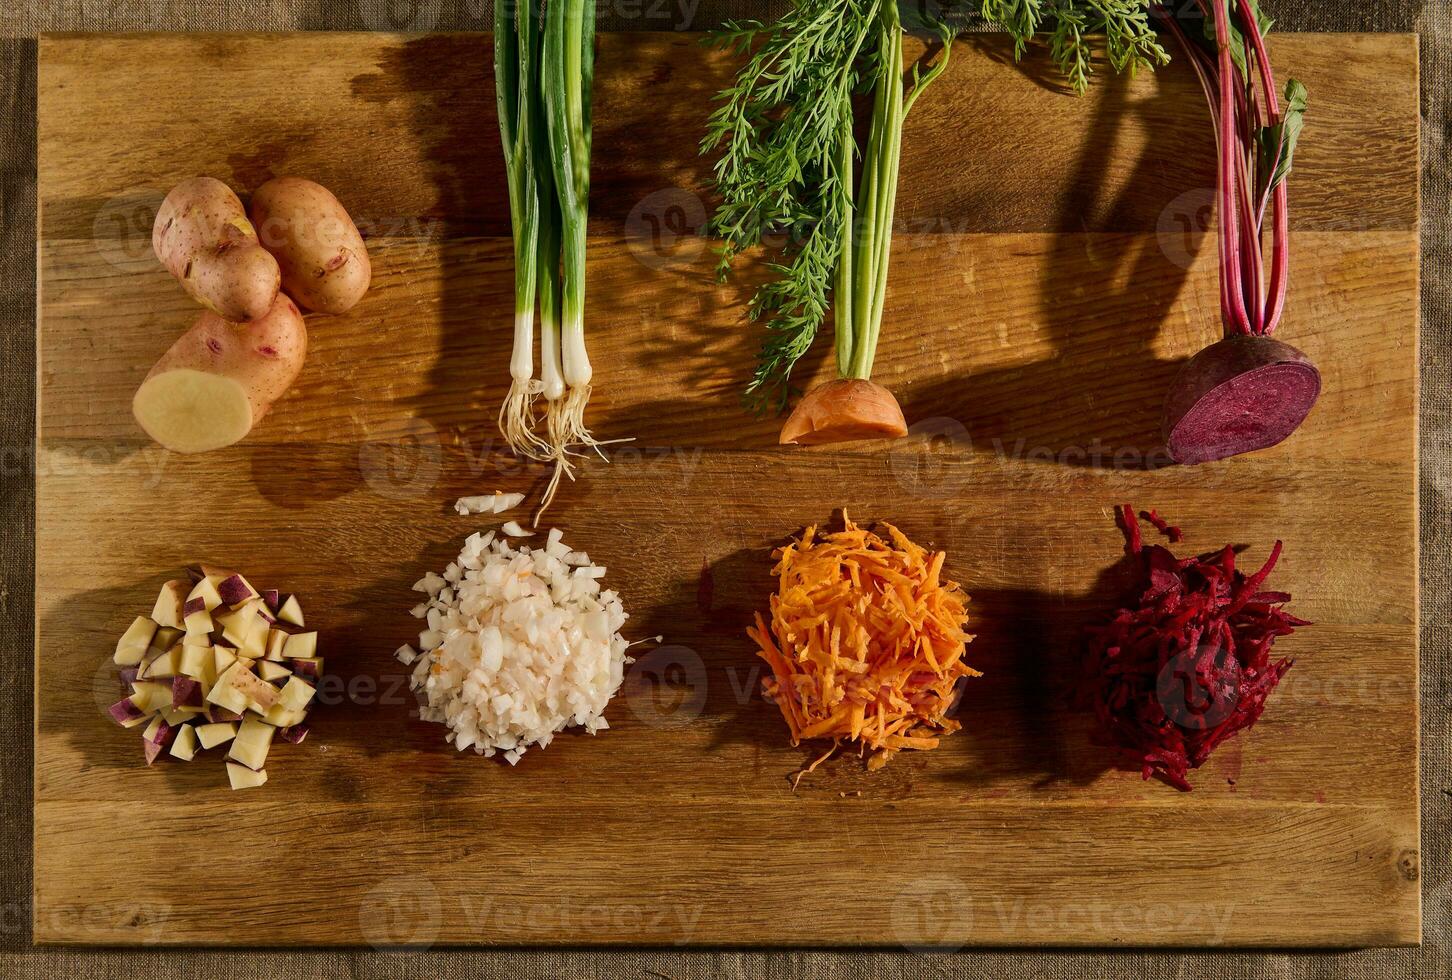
{"points": [[165, 639], [156, 738], [301, 646], [222, 658], [194, 662], [216, 733], [255, 645], [151, 695], [291, 612], [257, 694], [168, 608], [184, 746], [297, 694], [205, 590], [270, 671], [199, 628], [225, 693], [235, 590], [161, 665], [135, 641], [280, 717], [128, 714], [237, 623], [250, 746], [187, 693], [176, 716], [243, 778], [310, 668]]}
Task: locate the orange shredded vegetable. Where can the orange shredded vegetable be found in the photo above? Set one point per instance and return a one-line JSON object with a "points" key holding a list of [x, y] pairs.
{"points": [[866, 641]]}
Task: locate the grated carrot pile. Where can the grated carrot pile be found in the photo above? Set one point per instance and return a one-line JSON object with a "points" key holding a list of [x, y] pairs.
{"points": [[866, 641]]}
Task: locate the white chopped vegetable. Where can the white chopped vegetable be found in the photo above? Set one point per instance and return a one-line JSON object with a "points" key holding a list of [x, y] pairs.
{"points": [[430, 583], [406, 655], [513, 529], [489, 503], [465, 506], [519, 648]]}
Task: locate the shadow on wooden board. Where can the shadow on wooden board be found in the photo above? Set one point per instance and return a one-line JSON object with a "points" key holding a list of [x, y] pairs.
{"points": [[1022, 710], [1121, 284], [1091, 290]]}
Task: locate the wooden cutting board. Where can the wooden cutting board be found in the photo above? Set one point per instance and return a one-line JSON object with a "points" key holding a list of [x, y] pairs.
{"points": [[1050, 272]]}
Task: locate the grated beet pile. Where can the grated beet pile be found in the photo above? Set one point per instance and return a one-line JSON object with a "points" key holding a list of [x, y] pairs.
{"points": [[1187, 665]]}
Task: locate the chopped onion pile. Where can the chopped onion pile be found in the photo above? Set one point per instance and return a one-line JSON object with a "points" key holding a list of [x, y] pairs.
{"points": [[521, 643]]}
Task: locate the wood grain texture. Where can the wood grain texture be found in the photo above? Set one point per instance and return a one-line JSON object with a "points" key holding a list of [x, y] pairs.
{"points": [[993, 148], [1029, 337]]}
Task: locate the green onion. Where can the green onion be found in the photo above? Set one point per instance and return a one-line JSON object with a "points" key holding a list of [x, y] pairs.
{"points": [[544, 66], [568, 73], [516, 54], [550, 220]]}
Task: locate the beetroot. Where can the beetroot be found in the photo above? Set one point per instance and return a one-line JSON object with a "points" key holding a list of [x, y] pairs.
{"points": [[1246, 392], [1187, 663]]}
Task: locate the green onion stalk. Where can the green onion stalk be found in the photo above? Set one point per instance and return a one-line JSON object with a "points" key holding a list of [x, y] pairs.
{"points": [[568, 71], [544, 71], [516, 84]]}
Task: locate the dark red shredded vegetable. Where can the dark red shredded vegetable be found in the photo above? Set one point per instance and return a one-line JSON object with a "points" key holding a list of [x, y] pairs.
{"points": [[1187, 665], [1163, 526]]}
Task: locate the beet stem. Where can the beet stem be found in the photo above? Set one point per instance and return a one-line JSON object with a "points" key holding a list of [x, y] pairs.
{"points": [[1251, 302], [1229, 226], [1281, 231]]}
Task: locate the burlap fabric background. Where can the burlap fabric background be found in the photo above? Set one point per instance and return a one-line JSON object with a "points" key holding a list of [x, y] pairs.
{"points": [[22, 20]]}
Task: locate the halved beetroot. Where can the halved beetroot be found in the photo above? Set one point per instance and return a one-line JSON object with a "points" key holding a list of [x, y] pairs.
{"points": [[1242, 394]]}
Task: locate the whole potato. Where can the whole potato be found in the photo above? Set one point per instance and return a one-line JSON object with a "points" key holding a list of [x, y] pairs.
{"points": [[202, 236], [324, 262]]}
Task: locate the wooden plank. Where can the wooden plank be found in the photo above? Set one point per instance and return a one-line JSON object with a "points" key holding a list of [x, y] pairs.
{"points": [[1034, 579], [408, 127], [956, 877], [1030, 338], [1009, 358]]}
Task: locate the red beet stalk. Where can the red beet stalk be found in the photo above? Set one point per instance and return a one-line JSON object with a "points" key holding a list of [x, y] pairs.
{"points": [[1186, 664], [1247, 392]]}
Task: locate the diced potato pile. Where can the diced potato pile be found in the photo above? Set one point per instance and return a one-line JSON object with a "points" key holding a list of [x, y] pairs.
{"points": [[218, 663]]}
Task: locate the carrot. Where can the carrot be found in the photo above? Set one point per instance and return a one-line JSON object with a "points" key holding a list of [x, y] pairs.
{"points": [[865, 642], [844, 410]]}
